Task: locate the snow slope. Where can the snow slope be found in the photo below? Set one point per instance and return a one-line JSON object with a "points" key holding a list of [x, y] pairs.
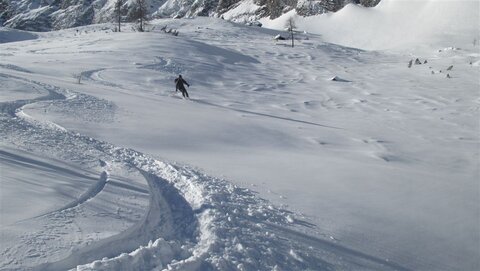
{"points": [[377, 170]]}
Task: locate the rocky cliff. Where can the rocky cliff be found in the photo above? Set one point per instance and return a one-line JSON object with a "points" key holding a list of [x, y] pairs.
{"points": [[45, 15]]}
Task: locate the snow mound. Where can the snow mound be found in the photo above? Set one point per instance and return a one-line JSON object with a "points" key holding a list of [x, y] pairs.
{"points": [[14, 35], [338, 79]]}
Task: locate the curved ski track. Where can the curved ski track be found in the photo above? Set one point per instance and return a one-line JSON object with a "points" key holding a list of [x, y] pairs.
{"points": [[194, 222]]}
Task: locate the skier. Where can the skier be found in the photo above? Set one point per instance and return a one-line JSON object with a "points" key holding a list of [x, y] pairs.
{"points": [[179, 86]]}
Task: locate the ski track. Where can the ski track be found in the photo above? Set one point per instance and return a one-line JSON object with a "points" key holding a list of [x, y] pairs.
{"points": [[90, 193], [95, 76], [194, 221]]}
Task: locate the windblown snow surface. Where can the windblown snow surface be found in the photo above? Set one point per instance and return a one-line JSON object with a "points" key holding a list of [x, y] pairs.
{"points": [[317, 157]]}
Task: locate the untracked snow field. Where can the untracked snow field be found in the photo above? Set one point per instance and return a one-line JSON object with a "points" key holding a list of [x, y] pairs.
{"points": [[271, 165]]}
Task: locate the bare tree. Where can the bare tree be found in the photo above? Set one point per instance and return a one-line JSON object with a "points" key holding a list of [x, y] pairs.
{"points": [[118, 12], [290, 24], [139, 13]]}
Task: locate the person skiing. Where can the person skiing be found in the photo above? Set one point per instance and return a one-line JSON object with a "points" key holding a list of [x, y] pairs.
{"points": [[179, 86]]}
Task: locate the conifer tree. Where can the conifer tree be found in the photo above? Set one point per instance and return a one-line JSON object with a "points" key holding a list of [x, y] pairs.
{"points": [[118, 12], [139, 13]]}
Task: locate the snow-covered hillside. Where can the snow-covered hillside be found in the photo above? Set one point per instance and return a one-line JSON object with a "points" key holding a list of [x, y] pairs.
{"points": [[271, 165]]}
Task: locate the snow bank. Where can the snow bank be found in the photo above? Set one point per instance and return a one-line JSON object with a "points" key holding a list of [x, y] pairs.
{"points": [[394, 24]]}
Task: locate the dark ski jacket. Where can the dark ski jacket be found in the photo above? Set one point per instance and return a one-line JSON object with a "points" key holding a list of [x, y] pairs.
{"points": [[179, 83]]}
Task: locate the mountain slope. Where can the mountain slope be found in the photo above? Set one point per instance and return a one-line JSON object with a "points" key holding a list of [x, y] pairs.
{"points": [[39, 15], [330, 157]]}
